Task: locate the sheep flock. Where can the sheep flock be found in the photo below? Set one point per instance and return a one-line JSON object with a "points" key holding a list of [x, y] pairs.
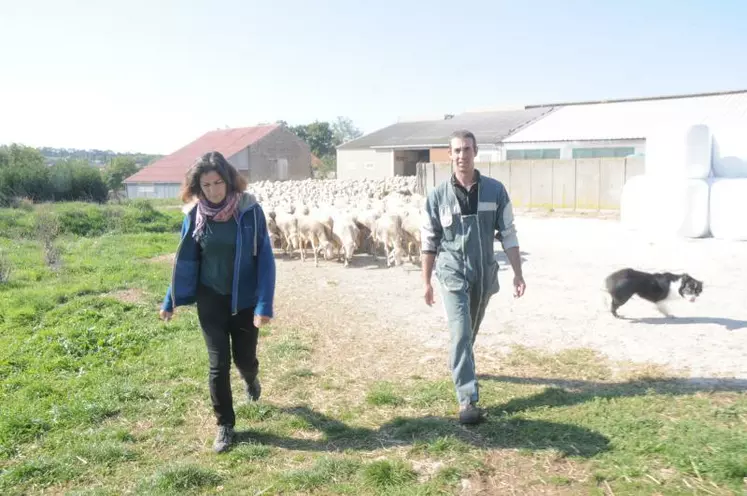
{"points": [[339, 218]]}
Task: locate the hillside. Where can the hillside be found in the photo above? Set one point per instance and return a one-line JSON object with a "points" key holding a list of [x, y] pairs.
{"points": [[96, 157]]}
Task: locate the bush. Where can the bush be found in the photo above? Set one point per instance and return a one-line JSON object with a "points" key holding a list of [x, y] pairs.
{"points": [[23, 174], [45, 222], [26, 204], [5, 268], [73, 180]]}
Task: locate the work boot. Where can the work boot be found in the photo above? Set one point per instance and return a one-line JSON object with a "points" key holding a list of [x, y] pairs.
{"points": [[470, 414], [254, 390], [223, 439]]}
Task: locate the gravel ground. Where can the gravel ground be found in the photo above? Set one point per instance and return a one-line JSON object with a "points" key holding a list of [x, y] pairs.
{"points": [[565, 262]]}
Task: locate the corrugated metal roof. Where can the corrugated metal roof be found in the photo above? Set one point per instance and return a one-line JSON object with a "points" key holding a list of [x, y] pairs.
{"points": [[488, 127], [633, 119], [171, 168]]}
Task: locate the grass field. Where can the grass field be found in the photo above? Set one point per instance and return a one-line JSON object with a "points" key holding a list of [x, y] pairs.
{"points": [[100, 397]]}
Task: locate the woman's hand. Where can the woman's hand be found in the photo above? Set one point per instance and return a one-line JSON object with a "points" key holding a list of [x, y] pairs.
{"points": [[260, 321], [164, 315]]}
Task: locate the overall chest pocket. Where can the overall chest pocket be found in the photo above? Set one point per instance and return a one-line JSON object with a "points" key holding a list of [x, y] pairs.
{"points": [[446, 217]]}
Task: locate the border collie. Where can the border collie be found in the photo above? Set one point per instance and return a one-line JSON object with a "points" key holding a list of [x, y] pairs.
{"points": [[659, 288]]}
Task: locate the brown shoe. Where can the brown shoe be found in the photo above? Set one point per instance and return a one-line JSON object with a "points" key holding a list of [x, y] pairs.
{"points": [[470, 414]]}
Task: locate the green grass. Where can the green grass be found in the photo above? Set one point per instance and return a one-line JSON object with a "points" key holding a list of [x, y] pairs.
{"points": [[100, 397]]}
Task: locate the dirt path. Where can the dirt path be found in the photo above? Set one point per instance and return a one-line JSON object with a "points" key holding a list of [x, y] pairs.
{"points": [[566, 260]]}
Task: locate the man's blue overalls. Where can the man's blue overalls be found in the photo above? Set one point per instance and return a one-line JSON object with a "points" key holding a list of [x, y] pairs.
{"points": [[466, 267]]}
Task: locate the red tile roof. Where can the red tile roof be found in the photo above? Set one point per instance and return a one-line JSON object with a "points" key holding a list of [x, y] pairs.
{"points": [[171, 168]]}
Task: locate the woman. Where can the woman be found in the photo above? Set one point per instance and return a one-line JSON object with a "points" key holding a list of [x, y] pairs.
{"points": [[224, 263]]}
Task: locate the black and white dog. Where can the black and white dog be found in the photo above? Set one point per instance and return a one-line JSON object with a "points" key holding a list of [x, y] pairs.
{"points": [[659, 288]]}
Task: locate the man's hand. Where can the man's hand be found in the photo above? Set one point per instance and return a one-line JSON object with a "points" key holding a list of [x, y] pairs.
{"points": [[429, 300], [165, 316], [428, 260], [260, 321], [514, 256]]}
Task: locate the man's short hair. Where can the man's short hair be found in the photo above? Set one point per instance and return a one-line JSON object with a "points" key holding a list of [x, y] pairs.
{"points": [[463, 134]]}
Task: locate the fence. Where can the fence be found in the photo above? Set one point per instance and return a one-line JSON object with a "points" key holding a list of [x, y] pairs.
{"points": [[583, 184]]}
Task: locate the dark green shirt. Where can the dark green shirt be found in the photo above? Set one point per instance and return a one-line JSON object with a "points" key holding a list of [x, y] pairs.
{"points": [[218, 245]]}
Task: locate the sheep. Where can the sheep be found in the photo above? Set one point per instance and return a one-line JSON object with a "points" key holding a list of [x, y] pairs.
{"points": [[388, 231], [346, 215], [346, 235], [318, 234], [412, 220], [287, 224]]}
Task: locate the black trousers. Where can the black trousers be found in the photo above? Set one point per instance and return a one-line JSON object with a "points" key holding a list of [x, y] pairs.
{"points": [[224, 333]]}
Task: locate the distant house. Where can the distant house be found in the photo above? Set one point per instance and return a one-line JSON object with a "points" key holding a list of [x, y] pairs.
{"points": [[396, 149], [270, 152]]}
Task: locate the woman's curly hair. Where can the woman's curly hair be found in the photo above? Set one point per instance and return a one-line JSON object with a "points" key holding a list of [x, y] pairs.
{"points": [[211, 161]]}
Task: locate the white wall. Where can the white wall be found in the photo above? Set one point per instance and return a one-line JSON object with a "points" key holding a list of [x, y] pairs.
{"points": [[365, 164], [488, 153], [151, 190], [566, 147]]}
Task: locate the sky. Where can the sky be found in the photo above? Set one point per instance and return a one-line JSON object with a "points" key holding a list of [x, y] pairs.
{"points": [[152, 75]]}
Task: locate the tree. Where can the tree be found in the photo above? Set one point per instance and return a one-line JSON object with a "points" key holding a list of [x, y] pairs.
{"points": [[323, 138], [75, 179], [319, 137], [344, 130], [22, 174], [118, 170]]}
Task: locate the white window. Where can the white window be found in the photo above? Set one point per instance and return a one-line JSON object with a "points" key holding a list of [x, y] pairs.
{"points": [[146, 189]]}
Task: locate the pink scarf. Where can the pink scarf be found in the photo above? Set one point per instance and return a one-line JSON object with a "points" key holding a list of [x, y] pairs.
{"points": [[220, 213]]}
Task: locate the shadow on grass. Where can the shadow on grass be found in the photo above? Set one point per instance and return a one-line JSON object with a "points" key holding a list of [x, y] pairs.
{"points": [[493, 433], [564, 392]]}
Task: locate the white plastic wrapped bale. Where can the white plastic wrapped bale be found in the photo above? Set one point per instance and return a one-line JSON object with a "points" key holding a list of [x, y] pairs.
{"points": [[728, 205], [677, 151], [636, 202], [666, 207], [730, 151]]}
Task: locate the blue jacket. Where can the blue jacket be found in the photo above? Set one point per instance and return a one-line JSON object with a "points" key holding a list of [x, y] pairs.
{"points": [[254, 266]]}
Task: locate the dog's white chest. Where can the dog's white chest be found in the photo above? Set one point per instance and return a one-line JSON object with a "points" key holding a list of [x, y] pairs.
{"points": [[674, 291]]}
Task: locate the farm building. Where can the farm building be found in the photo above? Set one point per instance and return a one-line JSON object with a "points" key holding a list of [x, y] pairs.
{"points": [[578, 156], [270, 152], [618, 128], [396, 150]]}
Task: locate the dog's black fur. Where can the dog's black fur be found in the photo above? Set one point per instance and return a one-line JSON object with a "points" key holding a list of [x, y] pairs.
{"points": [[658, 288]]}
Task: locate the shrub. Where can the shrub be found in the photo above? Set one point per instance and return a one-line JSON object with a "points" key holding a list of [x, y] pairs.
{"points": [[5, 268]]}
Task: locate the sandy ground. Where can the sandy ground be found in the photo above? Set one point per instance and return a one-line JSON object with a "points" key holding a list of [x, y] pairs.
{"points": [[565, 262]]}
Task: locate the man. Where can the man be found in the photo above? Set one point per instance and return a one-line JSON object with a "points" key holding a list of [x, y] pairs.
{"points": [[462, 218]]}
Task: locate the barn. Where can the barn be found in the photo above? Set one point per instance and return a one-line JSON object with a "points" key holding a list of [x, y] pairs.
{"points": [[268, 152], [396, 149], [579, 155], [618, 128]]}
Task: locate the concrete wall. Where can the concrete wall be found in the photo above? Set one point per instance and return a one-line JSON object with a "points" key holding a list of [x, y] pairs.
{"points": [[150, 190], [240, 160], [485, 152], [566, 147], [280, 155], [365, 164], [588, 184]]}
